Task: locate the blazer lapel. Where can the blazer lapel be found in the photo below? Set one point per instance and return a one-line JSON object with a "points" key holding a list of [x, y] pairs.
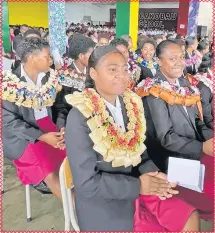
{"points": [[189, 115], [124, 112]]}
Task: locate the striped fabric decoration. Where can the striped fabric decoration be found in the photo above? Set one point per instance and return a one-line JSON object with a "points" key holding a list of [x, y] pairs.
{"points": [[127, 16]]}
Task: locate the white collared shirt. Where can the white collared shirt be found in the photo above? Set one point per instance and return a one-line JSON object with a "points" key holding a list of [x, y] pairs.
{"points": [[85, 69], [177, 83], [38, 114], [116, 112]]}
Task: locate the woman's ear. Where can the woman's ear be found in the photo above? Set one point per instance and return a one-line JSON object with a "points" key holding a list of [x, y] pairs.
{"points": [[159, 61], [93, 73]]}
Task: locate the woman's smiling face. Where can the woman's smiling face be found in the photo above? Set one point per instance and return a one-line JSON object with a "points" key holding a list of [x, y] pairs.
{"points": [[172, 62]]}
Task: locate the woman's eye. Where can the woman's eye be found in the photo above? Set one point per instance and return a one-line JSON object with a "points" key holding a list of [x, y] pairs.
{"points": [[113, 70]]}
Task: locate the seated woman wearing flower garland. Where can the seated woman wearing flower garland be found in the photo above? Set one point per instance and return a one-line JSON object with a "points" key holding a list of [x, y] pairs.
{"points": [[192, 57], [105, 135], [147, 60], [133, 69], [203, 81], [174, 129], [30, 138], [72, 75]]}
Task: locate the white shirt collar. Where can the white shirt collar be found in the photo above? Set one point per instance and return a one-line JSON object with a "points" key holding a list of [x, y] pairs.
{"points": [[29, 80], [85, 69], [111, 106]]}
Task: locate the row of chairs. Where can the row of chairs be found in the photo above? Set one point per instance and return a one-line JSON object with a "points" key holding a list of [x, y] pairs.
{"points": [[67, 191]]}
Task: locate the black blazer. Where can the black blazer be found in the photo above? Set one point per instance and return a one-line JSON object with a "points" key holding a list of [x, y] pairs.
{"points": [[145, 73], [61, 108], [207, 104], [16, 41], [102, 191], [171, 132], [19, 127]]}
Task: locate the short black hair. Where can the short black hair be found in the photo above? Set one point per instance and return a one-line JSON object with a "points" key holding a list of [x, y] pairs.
{"points": [[79, 44], [205, 64], [163, 45], [157, 37], [202, 45], [24, 25], [190, 40], [68, 31], [180, 42], [148, 41], [30, 45], [103, 35], [31, 32], [119, 41]]}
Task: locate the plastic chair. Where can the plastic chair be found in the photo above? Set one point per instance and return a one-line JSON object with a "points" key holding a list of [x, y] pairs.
{"points": [[67, 191]]}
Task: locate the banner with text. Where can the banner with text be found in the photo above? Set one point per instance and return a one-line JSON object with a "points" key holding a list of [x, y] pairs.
{"points": [[156, 18]]}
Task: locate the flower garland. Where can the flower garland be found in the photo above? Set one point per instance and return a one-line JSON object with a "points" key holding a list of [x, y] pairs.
{"points": [[134, 71], [193, 60], [201, 77], [122, 149], [152, 64], [171, 93], [70, 77], [29, 96]]}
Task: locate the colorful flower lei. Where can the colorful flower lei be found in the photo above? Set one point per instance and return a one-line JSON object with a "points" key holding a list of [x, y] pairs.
{"points": [[120, 148], [201, 77], [170, 93], [70, 77], [29, 96], [145, 63], [193, 60]]}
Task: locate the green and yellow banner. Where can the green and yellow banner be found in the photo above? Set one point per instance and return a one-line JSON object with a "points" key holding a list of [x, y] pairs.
{"points": [[127, 14], [5, 28]]}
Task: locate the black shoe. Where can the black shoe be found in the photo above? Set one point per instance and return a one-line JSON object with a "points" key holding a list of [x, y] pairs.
{"points": [[42, 188]]}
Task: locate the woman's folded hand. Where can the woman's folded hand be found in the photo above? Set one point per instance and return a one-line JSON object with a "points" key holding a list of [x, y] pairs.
{"points": [[155, 183]]}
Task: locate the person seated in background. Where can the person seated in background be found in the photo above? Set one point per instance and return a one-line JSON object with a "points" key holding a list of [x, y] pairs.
{"points": [[203, 81], [192, 58], [103, 39], [175, 130], [17, 39], [147, 60], [30, 138], [158, 38], [133, 69], [129, 40], [72, 75]]}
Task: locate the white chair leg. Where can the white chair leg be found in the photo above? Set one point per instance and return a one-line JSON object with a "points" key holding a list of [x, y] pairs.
{"points": [[28, 203], [72, 214], [64, 201]]}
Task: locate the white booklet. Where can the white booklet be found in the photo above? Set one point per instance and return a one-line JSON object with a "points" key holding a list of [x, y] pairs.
{"points": [[187, 173]]}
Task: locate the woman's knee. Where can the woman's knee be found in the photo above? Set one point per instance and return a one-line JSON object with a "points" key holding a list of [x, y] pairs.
{"points": [[52, 177], [193, 223]]}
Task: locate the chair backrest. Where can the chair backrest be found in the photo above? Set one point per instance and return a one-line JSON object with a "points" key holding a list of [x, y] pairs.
{"points": [[67, 174]]}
